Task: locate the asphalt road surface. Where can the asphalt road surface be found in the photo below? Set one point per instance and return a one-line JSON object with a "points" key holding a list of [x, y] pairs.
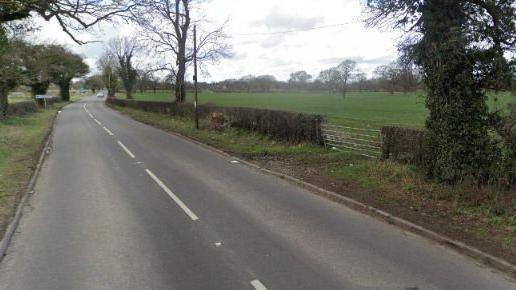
{"points": [[121, 205]]}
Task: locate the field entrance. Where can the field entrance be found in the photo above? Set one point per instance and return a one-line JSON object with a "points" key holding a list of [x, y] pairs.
{"points": [[363, 141]]}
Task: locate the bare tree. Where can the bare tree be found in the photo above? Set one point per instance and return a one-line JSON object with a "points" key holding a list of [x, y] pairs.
{"points": [[107, 64], [72, 16], [124, 49], [387, 76], [330, 78], [299, 79], [167, 24], [361, 80], [346, 71]]}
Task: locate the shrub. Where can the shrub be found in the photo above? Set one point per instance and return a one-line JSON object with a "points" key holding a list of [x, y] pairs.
{"points": [[22, 108], [283, 125], [218, 121], [507, 130], [407, 145]]}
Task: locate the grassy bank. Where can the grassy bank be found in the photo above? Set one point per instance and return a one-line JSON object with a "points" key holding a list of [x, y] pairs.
{"points": [[363, 109], [482, 217], [20, 142]]}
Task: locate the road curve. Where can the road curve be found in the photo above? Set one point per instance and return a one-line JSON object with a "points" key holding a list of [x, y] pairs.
{"points": [[122, 205]]}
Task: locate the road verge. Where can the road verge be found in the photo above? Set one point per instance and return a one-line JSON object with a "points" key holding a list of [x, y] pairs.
{"points": [[42, 152]]}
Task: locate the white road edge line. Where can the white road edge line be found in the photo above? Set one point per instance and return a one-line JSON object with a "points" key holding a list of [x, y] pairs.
{"points": [[109, 132], [173, 196], [98, 122], [126, 149], [258, 285]]}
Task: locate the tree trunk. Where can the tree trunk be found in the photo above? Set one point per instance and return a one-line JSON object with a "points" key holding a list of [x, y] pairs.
{"points": [[64, 90], [180, 82], [111, 92], [4, 103]]}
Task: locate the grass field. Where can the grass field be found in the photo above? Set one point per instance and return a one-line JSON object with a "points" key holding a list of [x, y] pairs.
{"points": [[363, 109]]}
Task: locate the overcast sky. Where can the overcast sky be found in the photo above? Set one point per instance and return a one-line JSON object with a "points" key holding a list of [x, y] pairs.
{"points": [[257, 51]]}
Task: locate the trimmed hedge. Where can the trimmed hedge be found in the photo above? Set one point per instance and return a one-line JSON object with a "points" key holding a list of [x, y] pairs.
{"points": [[22, 108], [50, 101], [282, 125], [407, 145], [289, 126], [26, 107]]}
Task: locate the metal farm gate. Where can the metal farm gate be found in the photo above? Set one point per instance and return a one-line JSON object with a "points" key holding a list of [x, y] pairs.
{"points": [[362, 141]]}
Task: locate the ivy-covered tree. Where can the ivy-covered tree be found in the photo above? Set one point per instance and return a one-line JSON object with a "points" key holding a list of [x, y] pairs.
{"points": [[63, 66], [125, 48], [459, 46]]}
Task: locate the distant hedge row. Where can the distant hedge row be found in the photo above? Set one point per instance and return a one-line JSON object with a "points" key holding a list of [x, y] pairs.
{"points": [[282, 125]]}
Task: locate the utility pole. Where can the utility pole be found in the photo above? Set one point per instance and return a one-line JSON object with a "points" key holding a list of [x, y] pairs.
{"points": [[196, 116]]}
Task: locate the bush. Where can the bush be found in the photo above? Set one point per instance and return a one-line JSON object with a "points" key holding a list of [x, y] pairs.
{"points": [[407, 145], [282, 125], [507, 131], [22, 108]]}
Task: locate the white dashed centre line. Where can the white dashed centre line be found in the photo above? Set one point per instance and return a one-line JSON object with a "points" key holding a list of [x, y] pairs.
{"points": [[258, 285], [173, 196], [109, 132], [126, 149]]}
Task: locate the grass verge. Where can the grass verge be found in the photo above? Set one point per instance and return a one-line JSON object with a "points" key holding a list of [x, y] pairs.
{"points": [[481, 217], [21, 140]]}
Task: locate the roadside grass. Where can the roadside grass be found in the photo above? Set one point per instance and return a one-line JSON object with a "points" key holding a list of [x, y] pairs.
{"points": [[357, 109], [483, 217], [20, 142]]}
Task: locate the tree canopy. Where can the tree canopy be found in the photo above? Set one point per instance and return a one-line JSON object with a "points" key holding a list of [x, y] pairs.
{"points": [[72, 16], [63, 66]]}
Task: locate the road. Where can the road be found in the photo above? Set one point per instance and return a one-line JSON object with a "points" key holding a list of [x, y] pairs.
{"points": [[121, 205]]}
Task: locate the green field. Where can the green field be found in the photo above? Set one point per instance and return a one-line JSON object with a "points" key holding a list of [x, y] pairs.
{"points": [[362, 109]]}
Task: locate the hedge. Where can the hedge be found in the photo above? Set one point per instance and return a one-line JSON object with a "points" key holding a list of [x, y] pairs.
{"points": [[26, 107], [282, 125], [22, 108], [406, 145], [50, 101]]}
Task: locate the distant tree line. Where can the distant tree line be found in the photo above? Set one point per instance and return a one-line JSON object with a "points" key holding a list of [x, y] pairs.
{"points": [[342, 78]]}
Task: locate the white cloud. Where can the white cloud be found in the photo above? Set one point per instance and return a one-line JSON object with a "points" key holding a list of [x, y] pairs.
{"points": [[278, 54], [276, 20]]}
